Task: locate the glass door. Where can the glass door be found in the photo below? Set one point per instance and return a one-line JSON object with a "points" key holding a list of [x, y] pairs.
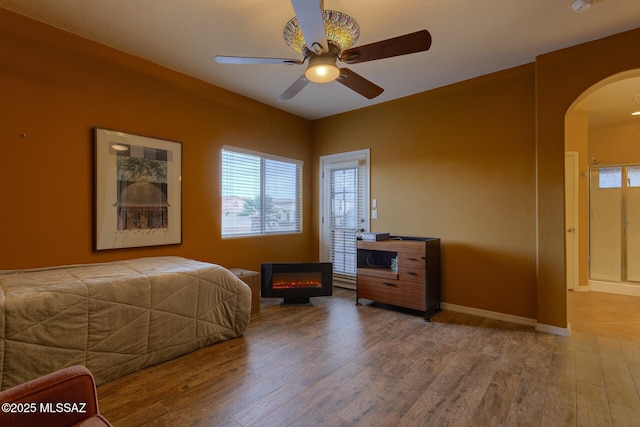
{"points": [[605, 236], [632, 224], [344, 212], [614, 223]]}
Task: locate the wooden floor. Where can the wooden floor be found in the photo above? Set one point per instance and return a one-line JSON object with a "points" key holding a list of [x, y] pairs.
{"points": [[335, 364]]}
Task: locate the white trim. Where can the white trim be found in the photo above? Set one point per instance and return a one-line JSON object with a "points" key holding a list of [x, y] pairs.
{"points": [[263, 155], [553, 330], [346, 156], [615, 288], [489, 314]]}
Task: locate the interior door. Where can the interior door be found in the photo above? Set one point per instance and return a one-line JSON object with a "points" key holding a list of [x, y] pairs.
{"points": [[571, 217], [344, 212]]}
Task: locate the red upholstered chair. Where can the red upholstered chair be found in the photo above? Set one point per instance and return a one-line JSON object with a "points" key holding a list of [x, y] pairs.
{"points": [[63, 398]]}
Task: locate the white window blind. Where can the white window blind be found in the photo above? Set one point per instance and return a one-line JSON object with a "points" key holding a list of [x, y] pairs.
{"points": [[261, 193]]}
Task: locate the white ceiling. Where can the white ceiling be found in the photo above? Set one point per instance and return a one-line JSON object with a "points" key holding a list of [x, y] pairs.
{"points": [[612, 103], [470, 38]]}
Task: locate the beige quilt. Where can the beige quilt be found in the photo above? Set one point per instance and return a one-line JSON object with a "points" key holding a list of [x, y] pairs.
{"points": [[115, 318]]}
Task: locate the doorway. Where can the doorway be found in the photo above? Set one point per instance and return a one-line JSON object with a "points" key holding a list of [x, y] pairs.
{"points": [[344, 208], [600, 127]]}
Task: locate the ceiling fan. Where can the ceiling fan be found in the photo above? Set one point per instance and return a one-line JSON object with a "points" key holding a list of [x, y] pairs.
{"points": [[324, 37]]}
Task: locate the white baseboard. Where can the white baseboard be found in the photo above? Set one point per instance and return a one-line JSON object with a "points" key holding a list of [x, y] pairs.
{"points": [[615, 288], [489, 314], [553, 330]]}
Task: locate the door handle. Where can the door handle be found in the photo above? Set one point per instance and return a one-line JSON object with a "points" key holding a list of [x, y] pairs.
{"points": [[571, 229]]}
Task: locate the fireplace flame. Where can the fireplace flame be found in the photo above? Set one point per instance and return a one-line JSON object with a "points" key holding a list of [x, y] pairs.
{"points": [[297, 284]]}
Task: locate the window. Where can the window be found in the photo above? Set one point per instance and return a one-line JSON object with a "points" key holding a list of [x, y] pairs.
{"points": [[261, 193], [610, 177], [633, 176]]}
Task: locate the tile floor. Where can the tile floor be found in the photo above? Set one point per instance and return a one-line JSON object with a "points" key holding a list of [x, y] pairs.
{"points": [[604, 314]]}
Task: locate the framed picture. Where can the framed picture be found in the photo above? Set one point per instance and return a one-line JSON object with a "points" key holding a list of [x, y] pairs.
{"points": [[138, 190]]}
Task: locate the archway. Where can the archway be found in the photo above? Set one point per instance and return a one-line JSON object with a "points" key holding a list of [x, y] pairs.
{"points": [[561, 78], [600, 132]]}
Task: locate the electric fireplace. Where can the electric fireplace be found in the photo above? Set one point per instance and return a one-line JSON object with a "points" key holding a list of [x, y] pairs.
{"points": [[296, 282]]}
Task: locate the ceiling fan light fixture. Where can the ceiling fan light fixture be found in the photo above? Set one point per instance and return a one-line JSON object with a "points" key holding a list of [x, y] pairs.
{"points": [[340, 29], [581, 5], [322, 69]]}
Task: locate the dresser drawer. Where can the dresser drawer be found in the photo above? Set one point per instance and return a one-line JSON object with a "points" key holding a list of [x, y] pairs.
{"points": [[411, 267], [396, 292], [407, 286]]}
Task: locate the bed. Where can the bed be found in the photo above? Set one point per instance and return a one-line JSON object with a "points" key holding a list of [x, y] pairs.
{"points": [[116, 317]]}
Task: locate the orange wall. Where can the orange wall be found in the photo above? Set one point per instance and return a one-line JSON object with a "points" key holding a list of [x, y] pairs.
{"points": [[479, 163], [577, 139], [615, 143], [56, 87], [561, 78], [456, 163], [451, 147]]}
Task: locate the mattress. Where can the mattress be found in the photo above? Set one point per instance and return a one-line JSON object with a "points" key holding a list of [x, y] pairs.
{"points": [[116, 317]]}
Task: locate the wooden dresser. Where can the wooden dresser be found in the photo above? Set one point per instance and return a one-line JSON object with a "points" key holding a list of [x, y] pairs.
{"points": [[415, 284]]}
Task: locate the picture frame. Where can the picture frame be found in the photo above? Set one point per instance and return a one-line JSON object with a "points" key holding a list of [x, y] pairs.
{"points": [[137, 191]]}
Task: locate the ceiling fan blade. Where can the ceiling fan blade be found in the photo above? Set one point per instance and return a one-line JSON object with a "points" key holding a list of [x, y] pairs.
{"points": [[293, 90], [309, 16], [220, 59], [401, 45], [358, 83]]}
